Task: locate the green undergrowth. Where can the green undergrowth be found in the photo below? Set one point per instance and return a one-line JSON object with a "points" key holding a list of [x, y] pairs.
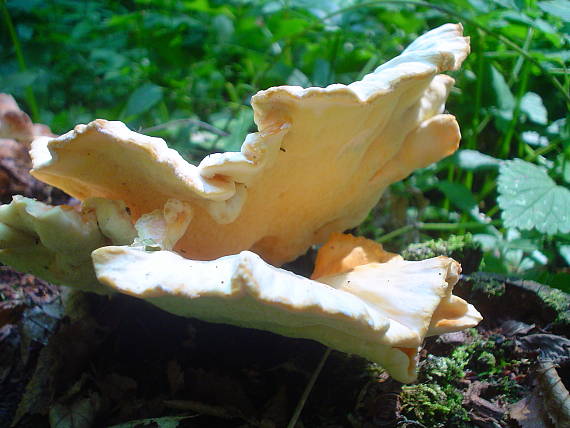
{"points": [[186, 71], [454, 245], [489, 286], [440, 397], [559, 302]]}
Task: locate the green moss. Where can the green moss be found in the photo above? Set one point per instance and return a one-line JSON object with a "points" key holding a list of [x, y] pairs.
{"points": [[440, 247], [487, 360], [442, 369], [488, 286], [508, 390], [436, 401], [459, 247], [374, 371], [434, 405], [559, 302]]}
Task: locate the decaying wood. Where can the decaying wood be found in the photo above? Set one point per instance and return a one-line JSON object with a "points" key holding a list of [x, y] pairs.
{"points": [[555, 396]]}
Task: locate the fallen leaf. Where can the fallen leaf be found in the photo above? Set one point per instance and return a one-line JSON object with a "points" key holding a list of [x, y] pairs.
{"points": [[513, 327], [551, 347], [166, 422], [528, 412], [482, 410], [77, 414]]}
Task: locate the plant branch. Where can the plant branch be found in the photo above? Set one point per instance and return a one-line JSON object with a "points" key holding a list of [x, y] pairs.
{"points": [[435, 226], [196, 122], [30, 96], [308, 389]]}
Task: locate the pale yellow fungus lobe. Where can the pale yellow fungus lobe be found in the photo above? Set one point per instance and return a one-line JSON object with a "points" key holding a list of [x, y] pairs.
{"points": [[320, 161]]}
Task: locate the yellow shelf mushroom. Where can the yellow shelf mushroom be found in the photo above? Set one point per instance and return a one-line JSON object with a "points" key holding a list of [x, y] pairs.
{"points": [[205, 241]]}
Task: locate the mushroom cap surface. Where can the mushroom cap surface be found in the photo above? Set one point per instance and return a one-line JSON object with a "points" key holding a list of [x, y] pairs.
{"points": [[319, 163], [381, 311]]}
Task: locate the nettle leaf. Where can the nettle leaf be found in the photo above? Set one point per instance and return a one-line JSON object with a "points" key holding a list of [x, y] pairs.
{"points": [[530, 199], [558, 8], [564, 251], [460, 196], [298, 78], [533, 138], [237, 125], [142, 99], [473, 160], [504, 98], [532, 105]]}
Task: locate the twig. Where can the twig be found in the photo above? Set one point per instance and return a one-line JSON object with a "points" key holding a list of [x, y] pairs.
{"points": [[308, 389], [196, 122]]}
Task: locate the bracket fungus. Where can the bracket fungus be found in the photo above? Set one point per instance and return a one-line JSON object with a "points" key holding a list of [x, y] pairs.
{"points": [[206, 241]]}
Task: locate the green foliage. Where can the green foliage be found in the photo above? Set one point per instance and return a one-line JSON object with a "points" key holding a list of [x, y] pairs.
{"points": [[530, 199], [558, 301], [169, 68], [490, 287], [439, 247], [438, 399], [435, 406]]}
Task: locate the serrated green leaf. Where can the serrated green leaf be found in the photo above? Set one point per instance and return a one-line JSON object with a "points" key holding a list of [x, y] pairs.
{"points": [[555, 280], [564, 251], [142, 99], [504, 98], [533, 138], [238, 126], [224, 27], [459, 195], [321, 72], [77, 414], [473, 160], [530, 199], [298, 78], [14, 82], [559, 8], [532, 105]]}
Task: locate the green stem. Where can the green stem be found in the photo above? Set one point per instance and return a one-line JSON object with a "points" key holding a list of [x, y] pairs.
{"points": [[30, 96], [435, 226], [505, 40], [493, 211], [450, 175], [488, 187], [395, 233], [520, 64], [456, 226], [308, 389], [542, 151], [520, 60], [472, 139], [506, 143], [473, 22]]}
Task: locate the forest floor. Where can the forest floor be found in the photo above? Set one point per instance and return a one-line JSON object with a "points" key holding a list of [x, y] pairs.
{"points": [[70, 359]]}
